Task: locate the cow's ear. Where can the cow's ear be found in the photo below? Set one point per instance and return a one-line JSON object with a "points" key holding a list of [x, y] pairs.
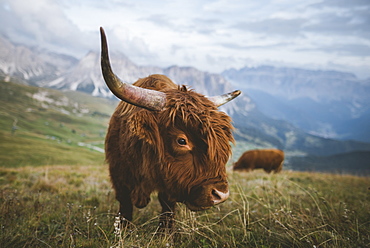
{"points": [[144, 125]]}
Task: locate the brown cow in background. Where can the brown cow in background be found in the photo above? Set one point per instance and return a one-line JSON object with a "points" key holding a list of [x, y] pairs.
{"points": [[267, 159], [168, 139]]}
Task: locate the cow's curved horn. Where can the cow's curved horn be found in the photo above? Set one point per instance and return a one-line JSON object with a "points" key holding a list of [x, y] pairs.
{"points": [[150, 99], [225, 98]]}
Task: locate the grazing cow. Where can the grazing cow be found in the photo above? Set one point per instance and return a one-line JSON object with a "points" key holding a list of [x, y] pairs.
{"points": [[166, 138], [267, 159]]}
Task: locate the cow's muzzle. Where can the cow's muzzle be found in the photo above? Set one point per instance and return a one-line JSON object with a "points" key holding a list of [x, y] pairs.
{"points": [[207, 195]]}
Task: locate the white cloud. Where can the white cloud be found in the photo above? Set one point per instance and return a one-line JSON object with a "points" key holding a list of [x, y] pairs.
{"points": [[209, 35]]}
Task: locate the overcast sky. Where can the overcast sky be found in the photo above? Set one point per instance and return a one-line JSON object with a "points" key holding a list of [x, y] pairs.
{"points": [[209, 35]]}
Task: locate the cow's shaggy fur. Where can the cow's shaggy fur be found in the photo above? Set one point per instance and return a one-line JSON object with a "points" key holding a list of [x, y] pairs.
{"points": [[146, 152]]}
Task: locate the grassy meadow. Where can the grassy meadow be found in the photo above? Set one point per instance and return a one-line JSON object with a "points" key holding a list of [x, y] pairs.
{"points": [[74, 206], [55, 189]]}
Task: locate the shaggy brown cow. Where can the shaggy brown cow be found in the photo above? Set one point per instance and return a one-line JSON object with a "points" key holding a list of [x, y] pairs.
{"points": [[169, 139], [267, 159]]}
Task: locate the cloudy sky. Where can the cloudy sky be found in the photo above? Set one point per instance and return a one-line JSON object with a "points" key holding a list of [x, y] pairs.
{"points": [[211, 35]]}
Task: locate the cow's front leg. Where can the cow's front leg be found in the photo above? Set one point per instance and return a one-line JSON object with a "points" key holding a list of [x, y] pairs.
{"points": [[166, 220], [123, 195]]}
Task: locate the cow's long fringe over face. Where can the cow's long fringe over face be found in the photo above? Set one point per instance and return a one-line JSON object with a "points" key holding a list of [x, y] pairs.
{"points": [[181, 150], [198, 169]]}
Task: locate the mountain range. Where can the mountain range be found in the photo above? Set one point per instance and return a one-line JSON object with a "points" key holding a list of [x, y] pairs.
{"points": [[29, 65], [329, 104], [257, 125]]}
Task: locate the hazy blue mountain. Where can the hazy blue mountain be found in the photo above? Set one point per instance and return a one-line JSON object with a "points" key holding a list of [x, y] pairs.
{"points": [[330, 104]]}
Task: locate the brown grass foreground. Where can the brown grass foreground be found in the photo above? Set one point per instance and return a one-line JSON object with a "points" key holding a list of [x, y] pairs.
{"points": [[74, 206]]}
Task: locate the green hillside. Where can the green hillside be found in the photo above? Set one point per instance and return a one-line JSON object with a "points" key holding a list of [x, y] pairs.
{"points": [[41, 126]]}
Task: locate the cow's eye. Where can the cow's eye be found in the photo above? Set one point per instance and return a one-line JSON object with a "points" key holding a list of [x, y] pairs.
{"points": [[181, 141]]}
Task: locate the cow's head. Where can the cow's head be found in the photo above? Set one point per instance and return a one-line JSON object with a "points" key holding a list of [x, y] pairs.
{"points": [[184, 129]]}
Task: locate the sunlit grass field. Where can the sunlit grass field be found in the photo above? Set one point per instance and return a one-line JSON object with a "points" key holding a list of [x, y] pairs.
{"points": [[74, 206]]}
